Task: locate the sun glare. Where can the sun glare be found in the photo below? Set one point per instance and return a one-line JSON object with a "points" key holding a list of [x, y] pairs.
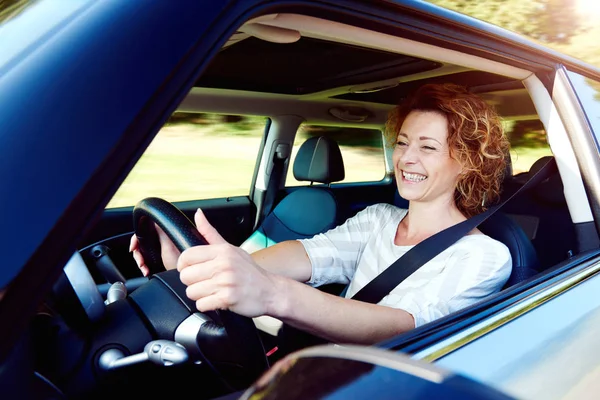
{"points": [[588, 7]]}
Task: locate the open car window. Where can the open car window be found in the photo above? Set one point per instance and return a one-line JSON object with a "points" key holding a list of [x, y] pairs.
{"points": [[196, 156]]}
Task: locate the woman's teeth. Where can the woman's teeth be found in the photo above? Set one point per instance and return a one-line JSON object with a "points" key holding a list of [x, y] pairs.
{"points": [[413, 177]]}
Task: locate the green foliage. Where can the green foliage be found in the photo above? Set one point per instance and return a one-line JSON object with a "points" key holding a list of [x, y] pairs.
{"points": [[217, 124], [530, 134], [220, 123], [351, 137]]}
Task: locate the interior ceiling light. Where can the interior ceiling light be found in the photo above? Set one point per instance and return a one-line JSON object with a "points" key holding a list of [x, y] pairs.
{"points": [[271, 33], [350, 113]]}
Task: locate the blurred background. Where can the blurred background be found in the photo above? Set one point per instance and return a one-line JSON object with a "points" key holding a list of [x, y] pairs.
{"points": [[568, 26]]}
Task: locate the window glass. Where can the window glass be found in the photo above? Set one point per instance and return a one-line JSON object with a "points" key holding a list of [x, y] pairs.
{"points": [[550, 352], [362, 152], [528, 143], [588, 92], [194, 157]]}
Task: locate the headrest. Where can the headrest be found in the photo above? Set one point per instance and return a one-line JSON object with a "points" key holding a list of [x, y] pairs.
{"points": [[536, 166], [319, 159]]}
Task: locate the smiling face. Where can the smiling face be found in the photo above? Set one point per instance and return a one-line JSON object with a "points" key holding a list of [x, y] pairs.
{"points": [[425, 172]]}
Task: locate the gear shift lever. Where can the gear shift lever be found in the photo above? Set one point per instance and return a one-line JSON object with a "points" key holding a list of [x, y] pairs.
{"points": [[117, 291], [160, 352]]}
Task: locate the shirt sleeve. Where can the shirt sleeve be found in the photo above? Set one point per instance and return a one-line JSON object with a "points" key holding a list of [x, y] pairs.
{"points": [[471, 273], [334, 255]]}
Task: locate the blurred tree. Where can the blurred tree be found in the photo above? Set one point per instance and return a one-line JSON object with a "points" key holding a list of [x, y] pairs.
{"points": [[10, 8], [549, 21], [528, 133], [515, 15], [568, 26], [558, 21], [219, 123], [367, 139]]}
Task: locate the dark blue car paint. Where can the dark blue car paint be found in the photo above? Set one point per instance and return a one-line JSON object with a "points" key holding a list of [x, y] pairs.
{"points": [[125, 66], [331, 378]]}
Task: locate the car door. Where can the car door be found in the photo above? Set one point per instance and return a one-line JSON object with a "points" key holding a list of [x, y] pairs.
{"points": [[522, 342], [195, 161], [96, 81]]}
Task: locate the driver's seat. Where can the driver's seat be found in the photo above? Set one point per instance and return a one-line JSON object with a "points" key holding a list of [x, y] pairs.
{"points": [[501, 227], [524, 257], [306, 211]]}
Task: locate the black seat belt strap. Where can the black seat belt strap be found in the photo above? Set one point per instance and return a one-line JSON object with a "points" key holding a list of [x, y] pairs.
{"points": [[424, 251], [272, 188]]}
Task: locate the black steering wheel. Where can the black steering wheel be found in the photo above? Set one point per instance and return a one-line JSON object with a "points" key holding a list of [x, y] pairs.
{"points": [[231, 332]]}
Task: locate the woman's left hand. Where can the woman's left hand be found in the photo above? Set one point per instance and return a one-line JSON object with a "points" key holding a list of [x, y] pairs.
{"points": [[222, 276]]}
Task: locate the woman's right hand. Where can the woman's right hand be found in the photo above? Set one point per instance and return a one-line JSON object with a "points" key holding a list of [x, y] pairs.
{"points": [[169, 253]]}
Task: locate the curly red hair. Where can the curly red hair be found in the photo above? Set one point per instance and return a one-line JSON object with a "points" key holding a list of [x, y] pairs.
{"points": [[475, 138]]}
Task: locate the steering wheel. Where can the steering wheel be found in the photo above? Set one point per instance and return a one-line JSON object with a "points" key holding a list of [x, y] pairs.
{"points": [[224, 328]]}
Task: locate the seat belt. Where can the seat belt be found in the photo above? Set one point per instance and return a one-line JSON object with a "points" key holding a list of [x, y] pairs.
{"points": [[273, 186], [424, 251], [279, 159]]}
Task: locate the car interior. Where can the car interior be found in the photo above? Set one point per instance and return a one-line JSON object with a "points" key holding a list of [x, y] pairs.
{"points": [[296, 71]]}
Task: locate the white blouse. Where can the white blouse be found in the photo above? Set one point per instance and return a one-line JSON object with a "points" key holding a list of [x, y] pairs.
{"points": [[360, 249]]}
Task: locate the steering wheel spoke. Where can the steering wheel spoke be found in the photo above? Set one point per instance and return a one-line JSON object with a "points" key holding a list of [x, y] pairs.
{"points": [[235, 337]]}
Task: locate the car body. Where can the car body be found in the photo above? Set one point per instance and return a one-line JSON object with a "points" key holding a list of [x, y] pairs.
{"points": [[86, 87]]}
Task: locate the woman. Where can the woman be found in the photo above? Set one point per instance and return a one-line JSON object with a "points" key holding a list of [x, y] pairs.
{"points": [[448, 161]]}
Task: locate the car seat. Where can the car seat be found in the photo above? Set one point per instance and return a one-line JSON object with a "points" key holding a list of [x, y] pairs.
{"points": [[543, 213], [501, 227], [305, 211]]}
